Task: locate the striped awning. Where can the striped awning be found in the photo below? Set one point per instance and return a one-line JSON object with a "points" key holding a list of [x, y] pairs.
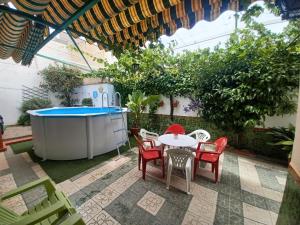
{"points": [[109, 23]]}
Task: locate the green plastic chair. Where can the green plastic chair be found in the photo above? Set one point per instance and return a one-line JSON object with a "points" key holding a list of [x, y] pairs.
{"points": [[53, 209]]}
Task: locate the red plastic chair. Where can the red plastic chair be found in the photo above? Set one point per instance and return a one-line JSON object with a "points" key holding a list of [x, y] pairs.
{"points": [[147, 154], [210, 157], [175, 129]]}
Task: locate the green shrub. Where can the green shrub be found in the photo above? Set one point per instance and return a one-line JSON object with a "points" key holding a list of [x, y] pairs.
{"points": [[87, 102], [32, 104]]}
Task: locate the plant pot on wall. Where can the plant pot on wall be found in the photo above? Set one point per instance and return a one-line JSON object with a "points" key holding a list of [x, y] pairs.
{"points": [[161, 103], [175, 103]]}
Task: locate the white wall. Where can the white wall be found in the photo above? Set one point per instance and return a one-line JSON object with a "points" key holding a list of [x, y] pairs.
{"points": [[179, 110], [95, 91], [274, 121], [295, 161], [13, 76]]}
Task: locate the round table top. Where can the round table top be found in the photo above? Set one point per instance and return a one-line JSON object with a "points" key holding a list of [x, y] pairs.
{"points": [[179, 140]]}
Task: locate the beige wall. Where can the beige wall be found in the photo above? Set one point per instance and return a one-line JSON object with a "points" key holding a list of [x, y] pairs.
{"points": [[295, 162]]}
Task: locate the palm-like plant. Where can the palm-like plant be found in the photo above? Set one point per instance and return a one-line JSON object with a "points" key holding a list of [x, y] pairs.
{"points": [[137, 104], [283, 137]]}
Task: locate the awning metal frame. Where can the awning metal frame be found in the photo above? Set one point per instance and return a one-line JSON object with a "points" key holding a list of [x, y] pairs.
{"points": [[57, 28]]}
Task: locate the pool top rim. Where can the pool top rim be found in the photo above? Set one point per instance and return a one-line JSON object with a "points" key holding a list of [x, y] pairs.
{"points": [[38, 113]]}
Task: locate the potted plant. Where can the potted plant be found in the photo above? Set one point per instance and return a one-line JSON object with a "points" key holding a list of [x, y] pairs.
{"points": [[284, 138], [137, 104], [87, 102], [161, 103], [175, 103]]}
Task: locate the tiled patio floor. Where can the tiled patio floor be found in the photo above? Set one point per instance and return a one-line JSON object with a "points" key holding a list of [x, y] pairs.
{"points": [[249, 192]]}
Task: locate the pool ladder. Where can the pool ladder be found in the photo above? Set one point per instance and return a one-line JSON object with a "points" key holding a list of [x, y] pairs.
{"points": [[123, 128]]}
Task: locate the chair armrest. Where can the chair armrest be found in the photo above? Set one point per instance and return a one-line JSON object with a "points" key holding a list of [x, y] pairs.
{"points": [[201, 142], [32, 219], [191, 134], [73, 220], [152, 133], [208, 152], [46, 181]]}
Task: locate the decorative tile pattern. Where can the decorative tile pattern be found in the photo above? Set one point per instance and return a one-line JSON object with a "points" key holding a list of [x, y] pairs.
{"points": [[151, 202], [268, 178], [89, 209], [192, 219], [16, 204], [7, 183], [68, 187], [89, 178], [113, 192], [103, 218], [105, 197]]}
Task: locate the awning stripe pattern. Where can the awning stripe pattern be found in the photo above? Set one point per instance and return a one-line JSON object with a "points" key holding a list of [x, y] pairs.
{"points": [[110, 23]]}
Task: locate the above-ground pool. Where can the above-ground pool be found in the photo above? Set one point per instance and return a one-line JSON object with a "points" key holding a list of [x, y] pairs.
{"points": [[77, 132]]}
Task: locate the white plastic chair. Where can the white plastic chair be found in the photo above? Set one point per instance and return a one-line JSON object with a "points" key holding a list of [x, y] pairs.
{"points": [[200, 135], [147, 135], [181, 159]]}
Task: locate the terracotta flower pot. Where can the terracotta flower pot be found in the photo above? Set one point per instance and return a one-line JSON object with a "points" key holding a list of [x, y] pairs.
{"points": [[161, 104], [175, 103]]}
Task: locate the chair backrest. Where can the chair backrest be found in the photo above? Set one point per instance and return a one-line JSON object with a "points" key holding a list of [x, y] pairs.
{"points": [[201, 135], [179, 157], [220, 144], [175, 129], [145, 134], [140, 144]]}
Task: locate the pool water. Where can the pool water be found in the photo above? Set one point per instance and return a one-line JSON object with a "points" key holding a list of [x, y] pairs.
{"points": [[75, 111]]}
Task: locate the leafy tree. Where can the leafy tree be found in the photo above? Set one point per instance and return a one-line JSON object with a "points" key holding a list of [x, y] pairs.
{"points": [[61, 80], [153, 70], [254, 76]]}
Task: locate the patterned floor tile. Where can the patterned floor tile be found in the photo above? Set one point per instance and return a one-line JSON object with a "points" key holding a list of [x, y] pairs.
{"points": [[112, 192], [89, 209], [26, 157], [192, 219], [3, 162], [151, 202], [274, 217], [38, 170], [103, 218], [105, 197], [268, 178], [203, 209], [7, 183], [281, 180], [257, 214], [251, 222], [16, 204], [271, 194], [68, 187]]}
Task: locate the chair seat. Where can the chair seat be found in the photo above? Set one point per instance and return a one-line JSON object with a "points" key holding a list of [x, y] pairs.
{"points": [[151, 154], [208, 157], [156, 143]]}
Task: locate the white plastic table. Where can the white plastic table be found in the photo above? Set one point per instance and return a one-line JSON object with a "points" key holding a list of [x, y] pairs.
{"points": [[179, 140]]}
